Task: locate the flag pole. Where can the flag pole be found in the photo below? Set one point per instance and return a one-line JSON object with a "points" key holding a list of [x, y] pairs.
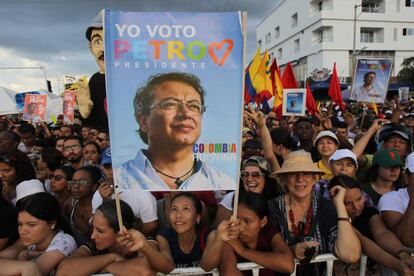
{"points": [[236, 191]]}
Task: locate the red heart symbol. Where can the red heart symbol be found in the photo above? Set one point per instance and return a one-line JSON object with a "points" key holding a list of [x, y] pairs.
{"points": [[218, 46]]}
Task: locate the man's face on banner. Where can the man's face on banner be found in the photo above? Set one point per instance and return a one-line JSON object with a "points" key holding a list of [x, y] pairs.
{"points": [[32, 108], [175, 115], [369, 79], [97, 48]]}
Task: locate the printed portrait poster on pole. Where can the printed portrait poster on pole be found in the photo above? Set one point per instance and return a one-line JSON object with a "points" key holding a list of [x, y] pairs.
{"points": [[174, 89], [294, 102], [34, 107], [69, 101], [370, 82]]}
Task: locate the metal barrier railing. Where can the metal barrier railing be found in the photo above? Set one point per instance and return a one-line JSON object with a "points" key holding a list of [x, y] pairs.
{"points": [[255, 268]]}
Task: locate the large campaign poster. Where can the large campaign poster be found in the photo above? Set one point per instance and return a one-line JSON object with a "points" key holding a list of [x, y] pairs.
{"points": [[370, 82], [174, 89], [34, 107]]}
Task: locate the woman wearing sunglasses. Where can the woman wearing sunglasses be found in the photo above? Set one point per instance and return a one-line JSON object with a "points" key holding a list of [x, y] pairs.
{"points": [[78, 208], [59, 183], [15, 167], [254, 178]]}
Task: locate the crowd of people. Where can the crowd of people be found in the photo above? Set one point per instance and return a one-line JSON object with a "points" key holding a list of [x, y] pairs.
{"points": [[332, 182]]}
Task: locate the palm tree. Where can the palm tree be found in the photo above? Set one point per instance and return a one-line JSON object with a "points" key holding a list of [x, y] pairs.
{"points": [[406, 74]]}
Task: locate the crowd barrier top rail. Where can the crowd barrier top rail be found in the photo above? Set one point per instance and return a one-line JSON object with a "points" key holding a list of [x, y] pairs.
{"points": [[255, 268]]}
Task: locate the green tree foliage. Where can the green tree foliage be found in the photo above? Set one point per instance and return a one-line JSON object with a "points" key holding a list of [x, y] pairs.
{"points": [[406, 74]]}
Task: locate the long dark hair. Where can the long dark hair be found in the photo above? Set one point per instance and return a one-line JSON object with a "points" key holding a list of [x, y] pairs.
{"points": [[21, 163], [254, 202], [108, 209], [45, 207]]}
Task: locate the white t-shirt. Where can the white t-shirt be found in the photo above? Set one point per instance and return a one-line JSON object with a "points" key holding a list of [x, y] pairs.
{"points": [[394, 201], [61, 242], [227, 201], [142, 203]]}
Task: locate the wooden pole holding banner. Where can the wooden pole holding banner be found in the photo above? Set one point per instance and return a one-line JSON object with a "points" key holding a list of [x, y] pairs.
{"points": [[118, 209], [236, 191], [362, 120]]}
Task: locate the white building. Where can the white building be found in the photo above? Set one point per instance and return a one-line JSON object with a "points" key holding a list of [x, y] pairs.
{"points": [[313, 34]]}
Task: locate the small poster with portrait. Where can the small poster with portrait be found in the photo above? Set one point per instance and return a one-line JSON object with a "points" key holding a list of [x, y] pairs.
{"points": [[294, 102], [403, 94], [370, 81], [69, 100], [34, 107]]}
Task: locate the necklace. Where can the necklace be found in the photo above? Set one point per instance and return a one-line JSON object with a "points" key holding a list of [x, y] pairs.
{"points": [[308, 217], [178, 179]]}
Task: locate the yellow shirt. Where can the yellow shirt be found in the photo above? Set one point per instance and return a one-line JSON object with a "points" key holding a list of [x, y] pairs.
{"points": [[328, 175]]}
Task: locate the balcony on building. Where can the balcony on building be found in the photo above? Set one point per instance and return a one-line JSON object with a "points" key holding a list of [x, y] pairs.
{"points": [[373, 6]]}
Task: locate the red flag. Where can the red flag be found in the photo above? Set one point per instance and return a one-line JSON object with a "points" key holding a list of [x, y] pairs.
{"points": [[274, 70], [335, 90], [310, 101], [288, 78]]}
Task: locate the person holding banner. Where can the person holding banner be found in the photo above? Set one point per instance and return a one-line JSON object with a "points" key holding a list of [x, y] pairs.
{"points": [[104, 253], [180, 245], [258, 241], [169, 111]]}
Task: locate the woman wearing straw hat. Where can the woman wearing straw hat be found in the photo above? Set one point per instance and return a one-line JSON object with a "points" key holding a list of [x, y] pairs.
{"points": [[309, 223]]}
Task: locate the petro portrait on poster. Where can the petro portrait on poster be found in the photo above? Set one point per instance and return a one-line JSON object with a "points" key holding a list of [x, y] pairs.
{"points": [[174, 83]]}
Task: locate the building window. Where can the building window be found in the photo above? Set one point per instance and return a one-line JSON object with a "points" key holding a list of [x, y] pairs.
{"points": [[320, 5], [296, 46], [279, 53], [367, 36], [267, 39], [259, 43], [409, 3], [322, 34], [408, 31], [277, 32], [372, 35], [294, 20]]}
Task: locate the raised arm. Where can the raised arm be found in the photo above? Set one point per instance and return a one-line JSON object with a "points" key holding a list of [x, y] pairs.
{"points": [[226, 231], [265, 138], [347, 245], [360, 146]]}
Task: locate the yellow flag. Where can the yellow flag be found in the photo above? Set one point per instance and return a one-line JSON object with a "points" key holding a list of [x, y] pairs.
{"points": [[262, 81], [374, 108]]}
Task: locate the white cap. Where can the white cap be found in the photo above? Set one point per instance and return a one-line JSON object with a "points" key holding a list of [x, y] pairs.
{"points": [[409, 162], [388, 112], [323, 109], [344, 153], [326, 133], [29, 187]]}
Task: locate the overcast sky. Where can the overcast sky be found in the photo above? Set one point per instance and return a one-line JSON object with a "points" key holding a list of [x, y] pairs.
{"points": [[51, 33]]}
